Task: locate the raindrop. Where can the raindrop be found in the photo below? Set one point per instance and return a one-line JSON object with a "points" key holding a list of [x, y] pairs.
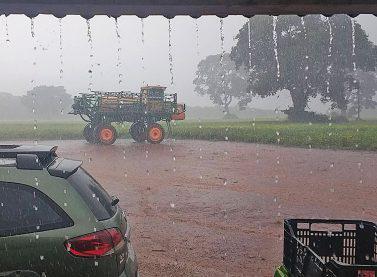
{"points": [[275, 38], [6, 30], [90, 41], [329, 65], [119, 51], [170, 53], [222, 39], [32, 31], [306, 56], [249, 45], [197, 37], [143, 46], [222, 55], [61, 48], [34, 63], [353, 44]]}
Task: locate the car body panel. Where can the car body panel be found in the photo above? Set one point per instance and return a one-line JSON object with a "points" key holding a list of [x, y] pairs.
{"points": [[45, 252]]}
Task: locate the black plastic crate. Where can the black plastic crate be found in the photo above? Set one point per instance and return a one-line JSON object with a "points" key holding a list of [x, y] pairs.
{"points": [[330, 248]]}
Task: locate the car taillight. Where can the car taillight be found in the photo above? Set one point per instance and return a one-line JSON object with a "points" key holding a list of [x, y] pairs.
{"points": [[96, 244], [366, 273]]}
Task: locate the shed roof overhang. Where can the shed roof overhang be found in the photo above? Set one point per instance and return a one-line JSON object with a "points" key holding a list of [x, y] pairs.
{"points": [[193, 8]]}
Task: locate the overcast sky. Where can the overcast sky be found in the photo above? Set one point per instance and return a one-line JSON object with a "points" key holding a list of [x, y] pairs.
{"points": [[17, 56]]}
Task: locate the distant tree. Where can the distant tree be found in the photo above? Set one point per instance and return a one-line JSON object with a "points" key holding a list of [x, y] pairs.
{"points": [[48, 101], [220, 81], [361, 88], [303, 56], [11, 107]]}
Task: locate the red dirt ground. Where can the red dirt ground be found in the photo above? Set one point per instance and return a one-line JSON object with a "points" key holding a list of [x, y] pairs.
{"points": [[201, 208]]}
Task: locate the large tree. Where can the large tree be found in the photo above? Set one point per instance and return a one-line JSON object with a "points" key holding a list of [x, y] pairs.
{"points": [[361, 89], [308, 65], [218, 78]]}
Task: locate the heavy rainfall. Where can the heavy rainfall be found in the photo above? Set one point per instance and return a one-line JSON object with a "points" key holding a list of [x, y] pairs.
{"points": [[205, 134]]}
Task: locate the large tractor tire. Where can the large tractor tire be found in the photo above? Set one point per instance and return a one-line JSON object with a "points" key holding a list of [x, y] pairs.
{"points": [[155, 133], [138, 131], [106, 134], [88, 133]]}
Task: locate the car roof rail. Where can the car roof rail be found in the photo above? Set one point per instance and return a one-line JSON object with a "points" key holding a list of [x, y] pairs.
{"points": [[45, 154]]}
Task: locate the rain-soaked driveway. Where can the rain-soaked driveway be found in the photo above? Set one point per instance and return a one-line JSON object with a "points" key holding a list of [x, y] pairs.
{"points": [[215, 208]]}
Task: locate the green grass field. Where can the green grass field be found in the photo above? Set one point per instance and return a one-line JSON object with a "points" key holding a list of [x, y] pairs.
{"points": [[354, 136]]}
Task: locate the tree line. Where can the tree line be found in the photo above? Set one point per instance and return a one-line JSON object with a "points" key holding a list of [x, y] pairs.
{"points": [[41, 102]]}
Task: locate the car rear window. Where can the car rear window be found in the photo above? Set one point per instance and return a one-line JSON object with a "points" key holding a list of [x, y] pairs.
{"points": [[94, 195], [24, 209]]}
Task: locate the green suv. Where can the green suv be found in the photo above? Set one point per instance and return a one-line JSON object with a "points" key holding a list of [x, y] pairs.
{"points": [[56, 220]]}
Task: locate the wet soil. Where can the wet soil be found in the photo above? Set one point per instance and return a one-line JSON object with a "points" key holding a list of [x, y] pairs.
{"points": [[200, 208]]}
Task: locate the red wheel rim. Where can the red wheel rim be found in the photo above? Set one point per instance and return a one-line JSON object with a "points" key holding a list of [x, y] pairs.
{"points": [[106, 135], [155, 134]]}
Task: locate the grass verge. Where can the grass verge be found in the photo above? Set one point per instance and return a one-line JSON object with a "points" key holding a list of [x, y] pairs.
{"points": [[354, 136]]}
